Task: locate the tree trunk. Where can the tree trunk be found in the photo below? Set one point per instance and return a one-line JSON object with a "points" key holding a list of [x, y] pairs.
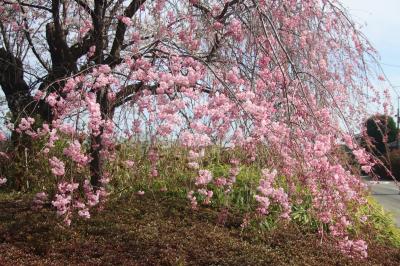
{"points": [[17, 91], [96, 164], [97, 146]]}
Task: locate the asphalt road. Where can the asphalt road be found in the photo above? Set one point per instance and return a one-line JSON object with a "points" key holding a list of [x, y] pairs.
{"points": [[387, 194]]}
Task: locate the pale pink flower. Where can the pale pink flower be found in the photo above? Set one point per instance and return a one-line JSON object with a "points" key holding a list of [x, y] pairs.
{"points": [[38, 95], [129, 163], [2, 137], [203, 178], [193, 165], [74, 152], [366, 168], [57, 166], [84, 213], [25, 124], [127, 21], [235, 28], [3, 180], [193, 200]]}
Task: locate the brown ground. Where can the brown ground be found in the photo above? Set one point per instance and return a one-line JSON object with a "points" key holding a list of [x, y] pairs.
{"points": [[162, 231]]}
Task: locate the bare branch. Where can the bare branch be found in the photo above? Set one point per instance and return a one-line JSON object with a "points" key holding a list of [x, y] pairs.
{"points": [[29, 5], [29, 39]]}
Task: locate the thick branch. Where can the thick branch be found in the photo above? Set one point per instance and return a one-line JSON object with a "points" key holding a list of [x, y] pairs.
{"points": [[61, 57], [82, 47], [225, 10], [98, 27], [60, 52], [121, 29], [55, 7], [85, 6], [16, 90], [129, 92]]}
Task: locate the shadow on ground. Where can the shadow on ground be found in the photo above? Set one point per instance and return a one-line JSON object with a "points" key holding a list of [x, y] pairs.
{"points": [[160, 230]]}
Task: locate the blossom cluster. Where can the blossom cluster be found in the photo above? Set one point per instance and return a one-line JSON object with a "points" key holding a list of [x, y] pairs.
{"points": [[268, 193], [64, 199], [203, 178], [3, 180]]}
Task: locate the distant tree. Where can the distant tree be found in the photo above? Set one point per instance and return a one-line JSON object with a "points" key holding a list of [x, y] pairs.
{"points": [[381, 129]]}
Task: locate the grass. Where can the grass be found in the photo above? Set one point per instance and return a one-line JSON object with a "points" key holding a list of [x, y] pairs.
{"points": [[382, 222], [160, 229]]}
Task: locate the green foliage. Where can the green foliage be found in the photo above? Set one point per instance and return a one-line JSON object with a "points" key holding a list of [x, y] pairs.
{"points": [[381, 222], [27, 168], [301, 215]]}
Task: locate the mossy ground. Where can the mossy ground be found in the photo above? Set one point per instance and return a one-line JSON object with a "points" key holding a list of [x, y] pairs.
{"points": [[159, 229]]}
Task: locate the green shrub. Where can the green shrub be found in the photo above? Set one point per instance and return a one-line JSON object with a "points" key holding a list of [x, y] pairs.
{"points": [[381, 222]]}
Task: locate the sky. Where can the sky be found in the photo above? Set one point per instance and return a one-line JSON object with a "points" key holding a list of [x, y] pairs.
{"points": [[381, 25]]}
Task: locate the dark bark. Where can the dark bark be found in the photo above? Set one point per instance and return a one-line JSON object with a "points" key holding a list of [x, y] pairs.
{"points": [[96, 145], [97, 162], [121, 29], [21, 104], [107, 110], [62, 58], [17, 91]]}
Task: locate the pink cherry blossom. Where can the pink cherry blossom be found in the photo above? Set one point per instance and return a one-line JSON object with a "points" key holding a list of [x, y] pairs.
{"points": [[203, 178], [57, 166], [75, 154], [129, 163], [2, 137], [127, 21]]}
